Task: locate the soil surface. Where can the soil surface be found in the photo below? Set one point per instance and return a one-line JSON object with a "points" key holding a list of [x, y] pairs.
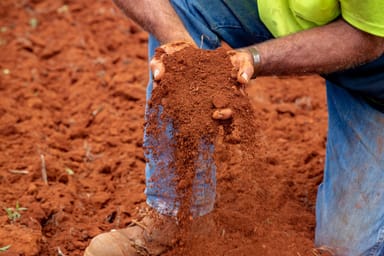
{"points": [[72, 97]]}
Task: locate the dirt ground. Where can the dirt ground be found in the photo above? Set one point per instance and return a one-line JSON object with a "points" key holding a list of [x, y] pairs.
{"points": [[72, 97]]}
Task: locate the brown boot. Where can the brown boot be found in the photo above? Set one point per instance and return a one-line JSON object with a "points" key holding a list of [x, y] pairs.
{"points": [[153, 235]]}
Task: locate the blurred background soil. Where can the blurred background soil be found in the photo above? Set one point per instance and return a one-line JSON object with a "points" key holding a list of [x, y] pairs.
{"points": [[72, 97]]}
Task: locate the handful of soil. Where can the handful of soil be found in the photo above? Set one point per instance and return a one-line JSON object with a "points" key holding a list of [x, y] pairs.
{"points": [[196, 83]]}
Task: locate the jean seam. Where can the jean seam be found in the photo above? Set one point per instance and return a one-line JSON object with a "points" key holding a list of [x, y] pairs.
{"points": [[226, 26], [379, 242]]}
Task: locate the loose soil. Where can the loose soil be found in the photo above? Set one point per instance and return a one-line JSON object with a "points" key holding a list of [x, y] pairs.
{"points": [[72, 97], [195, 84]]}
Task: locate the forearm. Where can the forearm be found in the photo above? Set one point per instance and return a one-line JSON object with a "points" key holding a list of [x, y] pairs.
{"points": [[157, 17], [321, 50]]}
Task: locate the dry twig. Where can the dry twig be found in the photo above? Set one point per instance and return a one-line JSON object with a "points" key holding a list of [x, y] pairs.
{"points": [[43, 169], [19, 171], [59, 252]]}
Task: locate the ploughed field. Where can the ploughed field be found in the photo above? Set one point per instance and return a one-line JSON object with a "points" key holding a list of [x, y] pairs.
{"points": [[72, 96]]}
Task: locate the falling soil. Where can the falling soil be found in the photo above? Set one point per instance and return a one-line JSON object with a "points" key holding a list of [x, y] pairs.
{"points": [[72, 96], [195, 84]]}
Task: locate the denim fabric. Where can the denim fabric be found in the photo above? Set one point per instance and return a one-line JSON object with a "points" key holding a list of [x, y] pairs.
{"points": [[350, 203], [367, 80], [350, 206]]}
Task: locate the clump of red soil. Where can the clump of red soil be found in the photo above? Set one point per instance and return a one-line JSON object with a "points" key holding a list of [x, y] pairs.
{"points": [[195, 84]]}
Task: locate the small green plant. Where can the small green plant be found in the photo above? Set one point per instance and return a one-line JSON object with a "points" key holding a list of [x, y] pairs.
{"points": [[14, 213], [5, 248], [33, 22]]}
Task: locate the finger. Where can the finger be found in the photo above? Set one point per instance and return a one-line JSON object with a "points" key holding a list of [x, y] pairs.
{"points": [[243, 64], [245, 68], [222, 114], [158, 68], [234, 57], [245, 73], [235, 60], [157, 65]]}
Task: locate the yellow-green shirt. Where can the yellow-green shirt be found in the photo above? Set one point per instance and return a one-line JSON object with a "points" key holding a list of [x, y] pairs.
{"points": [[283, 17]]}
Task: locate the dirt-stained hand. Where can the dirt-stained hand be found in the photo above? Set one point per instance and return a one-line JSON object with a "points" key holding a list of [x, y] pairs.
{"points": [[242, 62], [157, 65], [243, 70]]}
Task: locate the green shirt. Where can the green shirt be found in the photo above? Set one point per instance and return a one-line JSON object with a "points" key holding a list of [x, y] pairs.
{"points": [[283, 17]]}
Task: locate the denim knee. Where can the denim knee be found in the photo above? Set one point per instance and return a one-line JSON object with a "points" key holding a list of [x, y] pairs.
{"points": [[350, 202]]}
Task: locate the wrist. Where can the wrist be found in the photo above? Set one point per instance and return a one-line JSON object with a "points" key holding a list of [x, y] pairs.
{"points": [[256, 59]]}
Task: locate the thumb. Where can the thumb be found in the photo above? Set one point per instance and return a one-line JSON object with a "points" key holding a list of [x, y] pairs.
{"points": [[243, 62], [245, 73], [158, 68], [245, 68]]}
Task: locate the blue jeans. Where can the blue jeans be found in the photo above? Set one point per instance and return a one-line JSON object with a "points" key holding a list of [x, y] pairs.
{"points": [[350, 203]]}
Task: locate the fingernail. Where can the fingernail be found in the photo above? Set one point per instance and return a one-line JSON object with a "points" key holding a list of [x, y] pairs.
{"points": [[245, 76], [156, 73]]}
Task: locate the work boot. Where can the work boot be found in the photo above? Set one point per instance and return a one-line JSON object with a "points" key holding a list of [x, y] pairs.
{"points": [[152, 236]]}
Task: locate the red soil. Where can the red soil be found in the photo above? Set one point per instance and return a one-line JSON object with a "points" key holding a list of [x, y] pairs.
{"points": [[72, 94], [195, 84]]}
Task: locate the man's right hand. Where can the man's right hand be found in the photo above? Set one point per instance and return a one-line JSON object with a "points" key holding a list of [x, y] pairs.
{"points": [[157, 65]]}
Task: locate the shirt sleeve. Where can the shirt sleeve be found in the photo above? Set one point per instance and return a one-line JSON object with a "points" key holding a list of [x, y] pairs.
{"points": [[366, 15]]}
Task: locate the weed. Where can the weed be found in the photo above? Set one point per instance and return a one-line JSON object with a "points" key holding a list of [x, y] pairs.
{"points": [[14, 213], [33, 22], [5, 248]]}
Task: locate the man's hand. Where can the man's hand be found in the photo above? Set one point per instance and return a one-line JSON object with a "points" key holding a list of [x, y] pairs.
{"points": [[242, 62], [243, 70], [157, 65]]}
